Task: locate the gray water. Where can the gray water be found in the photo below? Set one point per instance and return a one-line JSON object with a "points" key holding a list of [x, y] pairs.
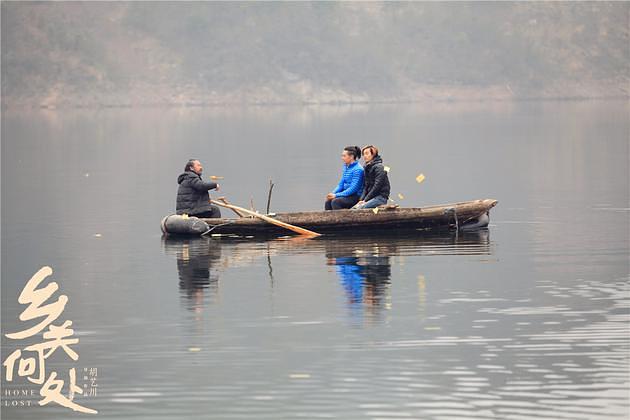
{"points": [[528, 319]]}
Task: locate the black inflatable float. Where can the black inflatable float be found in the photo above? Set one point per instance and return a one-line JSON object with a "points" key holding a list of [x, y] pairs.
{"points": [[177, 224]]}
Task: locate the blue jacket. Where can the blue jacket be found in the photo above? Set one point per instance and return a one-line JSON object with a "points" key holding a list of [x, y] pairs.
{"points": [[351, 277], [351, 181]]}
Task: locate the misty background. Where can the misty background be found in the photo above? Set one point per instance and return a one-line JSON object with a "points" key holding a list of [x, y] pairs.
{"points": [[192, 53], [104, 102]]}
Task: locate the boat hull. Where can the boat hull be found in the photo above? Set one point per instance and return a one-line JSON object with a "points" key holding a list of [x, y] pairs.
{"points": [[463, 215]]}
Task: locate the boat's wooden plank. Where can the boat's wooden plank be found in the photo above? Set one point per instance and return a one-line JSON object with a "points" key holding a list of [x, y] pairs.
{"points": [[411, 218]]}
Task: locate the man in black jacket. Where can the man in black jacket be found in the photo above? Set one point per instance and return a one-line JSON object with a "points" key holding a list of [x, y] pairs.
{"points": [[192, 195]]}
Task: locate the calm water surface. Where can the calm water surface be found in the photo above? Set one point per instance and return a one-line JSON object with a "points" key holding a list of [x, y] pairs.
{"points": [[528, 319]]}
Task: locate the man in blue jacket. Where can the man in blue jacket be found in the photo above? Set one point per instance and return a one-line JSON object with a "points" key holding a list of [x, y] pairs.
{"points": [[350, 186], [193, 198]]}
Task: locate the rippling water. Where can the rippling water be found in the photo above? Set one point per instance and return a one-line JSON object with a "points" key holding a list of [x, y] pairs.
{"points": [[527, 319]]}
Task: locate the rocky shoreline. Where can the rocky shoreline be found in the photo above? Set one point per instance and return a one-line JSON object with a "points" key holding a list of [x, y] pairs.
{"points": [[303, 94]]}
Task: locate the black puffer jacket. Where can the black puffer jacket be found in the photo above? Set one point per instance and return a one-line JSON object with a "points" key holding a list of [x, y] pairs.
{"points": [[376, 180], [192, 194]]}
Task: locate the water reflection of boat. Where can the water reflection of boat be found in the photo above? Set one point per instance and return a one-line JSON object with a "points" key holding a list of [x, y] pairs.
{"points": [[459, 216], [395, 244], [197, 266], [363, 263]]}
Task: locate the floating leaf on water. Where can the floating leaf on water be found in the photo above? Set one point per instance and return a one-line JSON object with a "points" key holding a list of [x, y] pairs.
{"points": [[216, 177], [420, 178], [97, 235], [299, 376], [375, 210], [400, 196], [387, 168], [194, 349]]}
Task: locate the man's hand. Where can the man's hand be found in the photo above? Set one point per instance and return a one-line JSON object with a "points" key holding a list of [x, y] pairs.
{"points": [[330, 196], [360, 203]]}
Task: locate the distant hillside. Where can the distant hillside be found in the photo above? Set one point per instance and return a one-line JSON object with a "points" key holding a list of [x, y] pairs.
{"points": [[144, 53]]}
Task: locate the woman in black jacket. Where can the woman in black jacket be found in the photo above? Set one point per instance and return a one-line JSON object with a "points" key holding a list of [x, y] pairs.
{"points": [[376, 187]]}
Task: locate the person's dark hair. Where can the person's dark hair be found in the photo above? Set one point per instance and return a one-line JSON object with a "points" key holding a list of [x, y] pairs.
{"points": [[354, 151], [373, 149], [189, 165]]}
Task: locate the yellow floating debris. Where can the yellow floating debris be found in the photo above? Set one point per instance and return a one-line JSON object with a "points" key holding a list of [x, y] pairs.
{"points": [[400, 196], [375, 210], [97, 235], [420, 178], [216, 177], [299, 376], [387, 168], [184, 216], [194, 349], [432, 328]]}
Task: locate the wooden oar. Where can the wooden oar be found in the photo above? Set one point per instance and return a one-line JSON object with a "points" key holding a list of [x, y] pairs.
{"points": [[267, 219], [223, 200]]}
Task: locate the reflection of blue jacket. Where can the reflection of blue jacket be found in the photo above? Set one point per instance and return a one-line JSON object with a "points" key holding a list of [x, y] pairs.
{"points": [[351, 181], [351, 277]]}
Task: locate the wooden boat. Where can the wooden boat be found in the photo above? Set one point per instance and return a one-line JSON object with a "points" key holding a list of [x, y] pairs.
{"points": [[464, 215]]}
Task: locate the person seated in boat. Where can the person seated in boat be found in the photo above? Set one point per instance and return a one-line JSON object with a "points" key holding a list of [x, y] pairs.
{"points": [[193, 198], [376, 187], [350, 186]]}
